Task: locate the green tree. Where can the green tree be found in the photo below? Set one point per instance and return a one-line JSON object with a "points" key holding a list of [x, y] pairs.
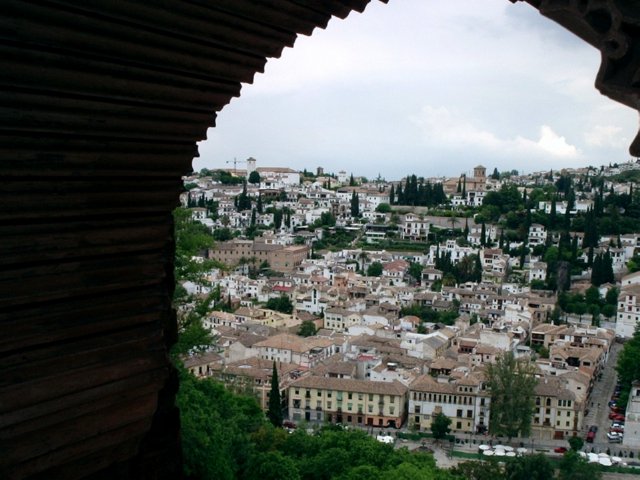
{"points": [[275, 403], [592, 296], [374, 269], [383, 208], [243, 200], [222, 234], [576, 443], [415, 271], [215, 428], [628, 365], [573, 467], [529, 467], [440, 426], [512, 384], [281, 304], [307, 329], [254, 177], [355, 205], [611, 298], [473, 470]]}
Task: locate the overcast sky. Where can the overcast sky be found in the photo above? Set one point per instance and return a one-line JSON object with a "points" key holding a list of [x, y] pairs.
{"points": [[431, 87]]}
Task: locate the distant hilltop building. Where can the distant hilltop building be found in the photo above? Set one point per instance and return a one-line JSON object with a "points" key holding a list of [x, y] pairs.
{"points": [[477, 183], [251, 165], [270, 177]]}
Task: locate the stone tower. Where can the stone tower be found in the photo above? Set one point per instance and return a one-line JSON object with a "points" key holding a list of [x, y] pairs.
{"points": [[480, 172]]}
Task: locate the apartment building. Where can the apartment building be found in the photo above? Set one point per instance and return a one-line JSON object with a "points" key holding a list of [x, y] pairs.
{"points": [[466, 401], [348, 401], [339, 319], [412, 227], [558, 413], [628, 314], [252, 377], [280, 258], [305, 352]]}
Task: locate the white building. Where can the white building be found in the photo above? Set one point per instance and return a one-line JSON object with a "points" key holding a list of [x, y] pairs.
{"points": [[537, 234], [414, 228], [465, 401], [632, 419], [628, 310]]}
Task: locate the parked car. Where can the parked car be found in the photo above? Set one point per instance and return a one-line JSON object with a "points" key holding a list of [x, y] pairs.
{"points": [[560, 449], [591, 436], [616, 417], [614, 437], [616, 430], [617, 425]]}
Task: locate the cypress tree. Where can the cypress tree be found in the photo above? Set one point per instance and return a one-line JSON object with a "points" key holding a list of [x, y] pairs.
{"points": [[483, 235], [392, 196], [275, 405], [477, 269], [607, 268], [574, 248], [400, 195], [552, 215], [596, 271], [355, 205]]}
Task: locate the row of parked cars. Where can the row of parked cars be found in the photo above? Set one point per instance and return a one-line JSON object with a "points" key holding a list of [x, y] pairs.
{"points": [[616, 414]]}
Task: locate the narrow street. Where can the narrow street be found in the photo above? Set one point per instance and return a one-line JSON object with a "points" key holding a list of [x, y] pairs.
{"points": [[599, 410]]}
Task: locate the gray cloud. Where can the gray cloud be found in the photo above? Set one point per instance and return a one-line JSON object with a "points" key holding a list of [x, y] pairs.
{"points": [[426, 87]]}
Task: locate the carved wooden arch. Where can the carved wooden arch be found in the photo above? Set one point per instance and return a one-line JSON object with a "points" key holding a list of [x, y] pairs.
{"points": [[102, 103]]}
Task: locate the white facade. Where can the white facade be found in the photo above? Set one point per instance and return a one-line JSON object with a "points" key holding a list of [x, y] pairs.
{"points": [[628, 311]]}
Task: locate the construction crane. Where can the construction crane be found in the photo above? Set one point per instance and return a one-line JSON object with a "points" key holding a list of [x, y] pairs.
{"points": [[235, 164]]}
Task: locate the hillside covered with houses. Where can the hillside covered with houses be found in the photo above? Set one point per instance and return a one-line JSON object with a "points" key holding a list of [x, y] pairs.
{"points": [[383, 303]]}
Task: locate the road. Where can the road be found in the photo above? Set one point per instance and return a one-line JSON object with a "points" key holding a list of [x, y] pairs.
{"points": [[599, 409]]}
